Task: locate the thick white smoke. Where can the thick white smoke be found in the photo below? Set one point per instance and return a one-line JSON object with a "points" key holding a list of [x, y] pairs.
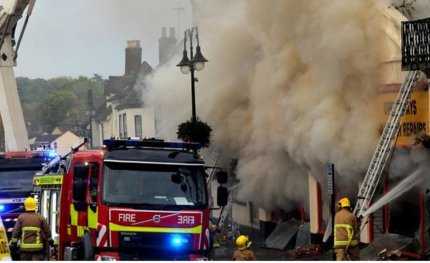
{"points": [[288, 87]]}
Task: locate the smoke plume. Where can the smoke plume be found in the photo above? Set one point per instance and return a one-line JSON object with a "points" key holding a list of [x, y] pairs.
{"points": [[288, 88]]}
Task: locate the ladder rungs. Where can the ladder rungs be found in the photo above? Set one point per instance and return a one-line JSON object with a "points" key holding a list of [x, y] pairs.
{"points": [[385, 145]]}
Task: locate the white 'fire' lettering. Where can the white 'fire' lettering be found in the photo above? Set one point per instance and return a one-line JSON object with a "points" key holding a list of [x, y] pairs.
{"points": [[185, 220], [127, 218]]}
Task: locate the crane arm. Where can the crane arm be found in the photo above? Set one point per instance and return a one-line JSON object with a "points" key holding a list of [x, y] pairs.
{"points": [[10, 13], [16, 138]]}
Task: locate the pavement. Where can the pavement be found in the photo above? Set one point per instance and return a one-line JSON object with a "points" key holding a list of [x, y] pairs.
{"points": [[227, 248], [389, 242]]}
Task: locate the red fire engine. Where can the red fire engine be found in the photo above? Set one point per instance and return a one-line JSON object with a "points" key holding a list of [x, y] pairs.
{"points": [[17, 169], [136, 199]]}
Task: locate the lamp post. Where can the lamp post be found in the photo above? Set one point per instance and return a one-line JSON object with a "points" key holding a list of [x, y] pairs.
{"points": [[196, 62], [91, 110]]}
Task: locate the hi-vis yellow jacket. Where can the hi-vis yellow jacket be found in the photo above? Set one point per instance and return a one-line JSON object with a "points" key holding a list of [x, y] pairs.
{"points": [[4, 247], [31, 228], [345, 229]]}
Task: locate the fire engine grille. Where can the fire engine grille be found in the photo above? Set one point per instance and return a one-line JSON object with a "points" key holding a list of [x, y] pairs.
{"points": [[154, 245]]}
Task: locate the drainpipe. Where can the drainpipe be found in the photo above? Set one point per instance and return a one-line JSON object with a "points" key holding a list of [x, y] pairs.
{"points": [[102, 133], [422, 223], [319, 205]]}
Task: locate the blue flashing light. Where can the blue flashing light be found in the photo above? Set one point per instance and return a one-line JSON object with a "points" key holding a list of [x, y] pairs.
{"points": [[47, 154], [178, 241], [2, 207], [51, 154]]}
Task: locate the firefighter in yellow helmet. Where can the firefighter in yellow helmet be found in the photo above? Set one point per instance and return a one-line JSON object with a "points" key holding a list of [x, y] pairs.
{"points": [[31, 229], [243, 252], [345, 232]]}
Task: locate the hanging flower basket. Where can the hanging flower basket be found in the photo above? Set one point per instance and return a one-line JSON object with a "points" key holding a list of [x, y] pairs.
{"points": [[195, 131]]}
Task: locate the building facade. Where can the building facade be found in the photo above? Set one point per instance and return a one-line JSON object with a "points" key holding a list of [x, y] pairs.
{"points": [[316, 213], [405, 216], [123, 113]]}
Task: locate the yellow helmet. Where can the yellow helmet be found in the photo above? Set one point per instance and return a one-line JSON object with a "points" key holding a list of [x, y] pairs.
{"points": [[242, 242], [344, 202], [30, 204]]}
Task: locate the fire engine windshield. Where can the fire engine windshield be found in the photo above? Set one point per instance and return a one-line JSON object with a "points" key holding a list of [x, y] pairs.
{"points": [[16, 174], [16, 180], [154, 185]]}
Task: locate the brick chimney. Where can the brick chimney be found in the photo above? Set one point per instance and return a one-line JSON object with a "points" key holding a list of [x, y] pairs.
{"points": [[133, 57], [166, 45]]}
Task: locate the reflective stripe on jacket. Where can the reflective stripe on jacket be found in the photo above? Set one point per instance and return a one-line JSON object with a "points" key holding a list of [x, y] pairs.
{"points": [[31, 229], [345, 229]]}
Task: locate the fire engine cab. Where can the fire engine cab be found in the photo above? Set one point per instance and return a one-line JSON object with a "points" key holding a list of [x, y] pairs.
{"points": [[17, 169], [136, 200]]}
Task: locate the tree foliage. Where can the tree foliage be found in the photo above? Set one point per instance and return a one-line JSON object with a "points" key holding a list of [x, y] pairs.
{"points": [[59, 101], [55, 108], [195, 131], [47, 104]]}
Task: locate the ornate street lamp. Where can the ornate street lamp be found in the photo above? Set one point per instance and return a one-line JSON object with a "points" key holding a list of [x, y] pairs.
{"points": [[196, 62]]}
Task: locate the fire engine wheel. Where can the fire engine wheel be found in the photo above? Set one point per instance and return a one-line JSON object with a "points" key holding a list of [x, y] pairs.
{"points": [[87, 247]]}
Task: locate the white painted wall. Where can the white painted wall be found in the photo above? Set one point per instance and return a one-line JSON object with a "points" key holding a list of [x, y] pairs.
{"points": [[110, 127], [241, 214], [148, 122]]}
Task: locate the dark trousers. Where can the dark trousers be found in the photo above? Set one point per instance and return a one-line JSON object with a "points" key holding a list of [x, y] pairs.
{"points": [[31, 256]]}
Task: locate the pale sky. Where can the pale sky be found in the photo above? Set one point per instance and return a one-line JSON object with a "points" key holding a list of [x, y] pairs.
{"points": [[83, 37]]}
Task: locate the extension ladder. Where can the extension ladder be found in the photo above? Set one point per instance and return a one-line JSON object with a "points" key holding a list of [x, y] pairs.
{"points": [[212, 163], [226, 210], [385, 145]]}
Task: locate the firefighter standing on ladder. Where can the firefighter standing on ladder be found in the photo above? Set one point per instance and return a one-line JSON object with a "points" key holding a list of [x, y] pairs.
{"points": [[345, 230], [31, 229]]}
